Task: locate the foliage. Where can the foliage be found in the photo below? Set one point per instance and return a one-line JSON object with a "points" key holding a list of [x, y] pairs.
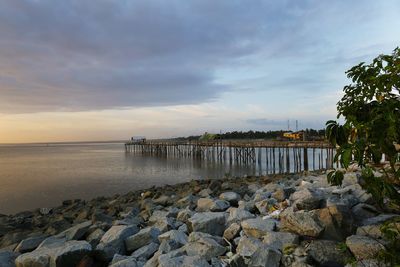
{"points": [[391, 232], [310, 133], [371, 110], [207, 137]]}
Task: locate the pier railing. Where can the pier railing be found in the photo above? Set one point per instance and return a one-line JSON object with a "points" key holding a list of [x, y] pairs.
{"points": [[274, 156]]}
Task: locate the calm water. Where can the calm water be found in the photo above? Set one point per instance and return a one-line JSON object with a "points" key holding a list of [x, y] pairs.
{"points": [[43, 176]]}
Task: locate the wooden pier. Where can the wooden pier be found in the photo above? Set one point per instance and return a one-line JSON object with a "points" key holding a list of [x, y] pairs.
{"points": [[273, 156]]}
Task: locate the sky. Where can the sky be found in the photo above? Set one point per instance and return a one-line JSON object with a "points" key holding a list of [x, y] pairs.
{"points": [[107, 70]]}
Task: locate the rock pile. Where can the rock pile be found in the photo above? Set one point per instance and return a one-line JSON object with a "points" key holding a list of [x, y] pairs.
{"points": [[292, 221]]}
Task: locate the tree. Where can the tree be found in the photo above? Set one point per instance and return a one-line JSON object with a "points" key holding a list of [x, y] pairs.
{"points": [[371, 111]]}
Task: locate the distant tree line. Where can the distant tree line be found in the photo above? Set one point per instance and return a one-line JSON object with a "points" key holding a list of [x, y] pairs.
{"points": [[310, 133]]}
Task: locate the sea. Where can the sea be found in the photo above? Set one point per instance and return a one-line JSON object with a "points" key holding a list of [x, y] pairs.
{"points": [[43, 175]]}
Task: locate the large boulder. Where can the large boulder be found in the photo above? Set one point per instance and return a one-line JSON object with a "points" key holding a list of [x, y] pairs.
{"points": [[266, 205], [232, 197], [207, 204], [113, 241], [332, 223], [176, 235], [237, 215], [94, 237], [300, 222], [76, 232], [364, 247], [30, 243], [142, 238], [70, 254], [257, 254], [124, 261], [258, 227], [337, 221], [184, 215], [364, 211], [204, 246], [7, 258], [372, 226], [65, 255], [146, 252], [204, 204], [207, 222], [184, 261], [328, 253], [232, 231], [306, 199], [280, 240]]}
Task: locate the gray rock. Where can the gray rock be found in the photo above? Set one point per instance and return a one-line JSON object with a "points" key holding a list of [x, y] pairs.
{"points": [[124, 261], [195, 236], [347, 200], [207, 222], [145, 252], [95, 237], [52, 241], [261, 195], [118, 257], [258, 227], [300, 222], [112, 241], [165, 224], [372, 226], [337, 222], [207, 204], [363, 247], [364, 211], [168, 246], [7, 258], [327, 253], [204, 247], [159, 215], [163, 200], [264, 206], [187, 201], [232, 231], [184, 215], [176, 235], [360, 193], [306, 199], [216, 262], [279, 195], [247, 205], [100, 217], [379, 219], [129, 220], [142, 238], [219, 205], [185, 261], [205, 193], [232, 197], [279, 240], [183, 228], [255, 253], [204, 204], [367, 263], [237, 215], [65, 255], [76, 232], [30, 243], [70, 254], [172, 254]]}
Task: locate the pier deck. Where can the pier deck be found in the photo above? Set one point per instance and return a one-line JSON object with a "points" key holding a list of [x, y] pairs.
{"points": [[275, 156]]}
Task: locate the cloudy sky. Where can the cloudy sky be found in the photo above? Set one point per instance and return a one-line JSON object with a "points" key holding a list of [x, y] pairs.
{"points": [[101, 70]]}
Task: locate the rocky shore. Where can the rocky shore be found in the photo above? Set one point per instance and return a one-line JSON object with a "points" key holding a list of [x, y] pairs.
{"points": [[254, 221]]}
